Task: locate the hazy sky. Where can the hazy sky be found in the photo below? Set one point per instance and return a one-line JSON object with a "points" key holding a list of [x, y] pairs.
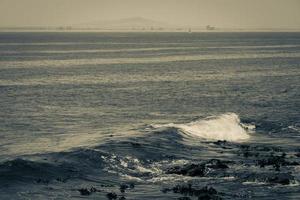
{"points": [[220, 13]]}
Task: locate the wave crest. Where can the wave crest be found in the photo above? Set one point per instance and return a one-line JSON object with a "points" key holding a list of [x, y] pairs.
{"points": [[223, 127]]}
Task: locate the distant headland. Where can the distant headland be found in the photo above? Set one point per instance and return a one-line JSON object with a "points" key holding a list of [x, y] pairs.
{"points": [[137, 24]]}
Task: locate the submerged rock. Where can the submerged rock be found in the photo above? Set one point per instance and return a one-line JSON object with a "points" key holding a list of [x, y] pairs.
{"points": [[217, 164], [124, 187], [220, 142], [198, 169], [188, 170], [86, 192], [283, 179], [131, 185], [202, 193], [275, 161], [224, 144], [107, 185], [112, 195], [256, 151], [271, 178]]}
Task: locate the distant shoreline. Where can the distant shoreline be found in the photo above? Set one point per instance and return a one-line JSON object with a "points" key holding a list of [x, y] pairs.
{"points": [[142, 30], [148, 31]]}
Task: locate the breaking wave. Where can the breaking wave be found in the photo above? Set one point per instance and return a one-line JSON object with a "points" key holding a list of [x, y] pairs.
{"points": [[223, 127]]}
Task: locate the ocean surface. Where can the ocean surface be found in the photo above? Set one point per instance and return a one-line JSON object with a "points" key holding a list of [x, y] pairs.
{"points": [[149, 115]]}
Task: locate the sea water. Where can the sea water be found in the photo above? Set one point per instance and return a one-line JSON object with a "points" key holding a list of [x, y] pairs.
{"points": [[82, 110]]}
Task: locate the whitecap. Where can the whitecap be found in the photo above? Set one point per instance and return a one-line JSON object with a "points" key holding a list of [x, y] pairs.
{"points": [[223, 127]]}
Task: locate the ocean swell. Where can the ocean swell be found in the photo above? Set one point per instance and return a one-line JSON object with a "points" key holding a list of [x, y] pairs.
{"points": [[223, 127]]}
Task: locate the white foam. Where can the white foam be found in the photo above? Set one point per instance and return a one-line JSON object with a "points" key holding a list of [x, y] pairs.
{"points": [[256, 182], [294, 128], [223, 127]]}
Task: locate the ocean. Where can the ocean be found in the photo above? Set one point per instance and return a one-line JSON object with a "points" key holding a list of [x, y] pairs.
{"points": [[149, 115]]}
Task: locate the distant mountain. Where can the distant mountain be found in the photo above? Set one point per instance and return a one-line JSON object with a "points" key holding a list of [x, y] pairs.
{"points": [[128, 23]]}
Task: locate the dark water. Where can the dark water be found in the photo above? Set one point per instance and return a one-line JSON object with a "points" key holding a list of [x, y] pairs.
{"points": [[82, 110]]}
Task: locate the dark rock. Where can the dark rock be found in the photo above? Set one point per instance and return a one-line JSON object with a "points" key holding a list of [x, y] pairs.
{"points": [[107, 185], [275, 161], [198, 169], [216, 164], [123, 187], [112, 195], [220, 142], [93, 189], [245, 147], [271, 178], [188, 170], [223, 144], [202, 193], [293, 163], [84, 191], [131, 185], [184, 189], [283, 179], [122, 198]]}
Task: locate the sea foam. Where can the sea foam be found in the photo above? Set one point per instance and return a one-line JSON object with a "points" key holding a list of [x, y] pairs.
{"points": [[223, 127]]}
